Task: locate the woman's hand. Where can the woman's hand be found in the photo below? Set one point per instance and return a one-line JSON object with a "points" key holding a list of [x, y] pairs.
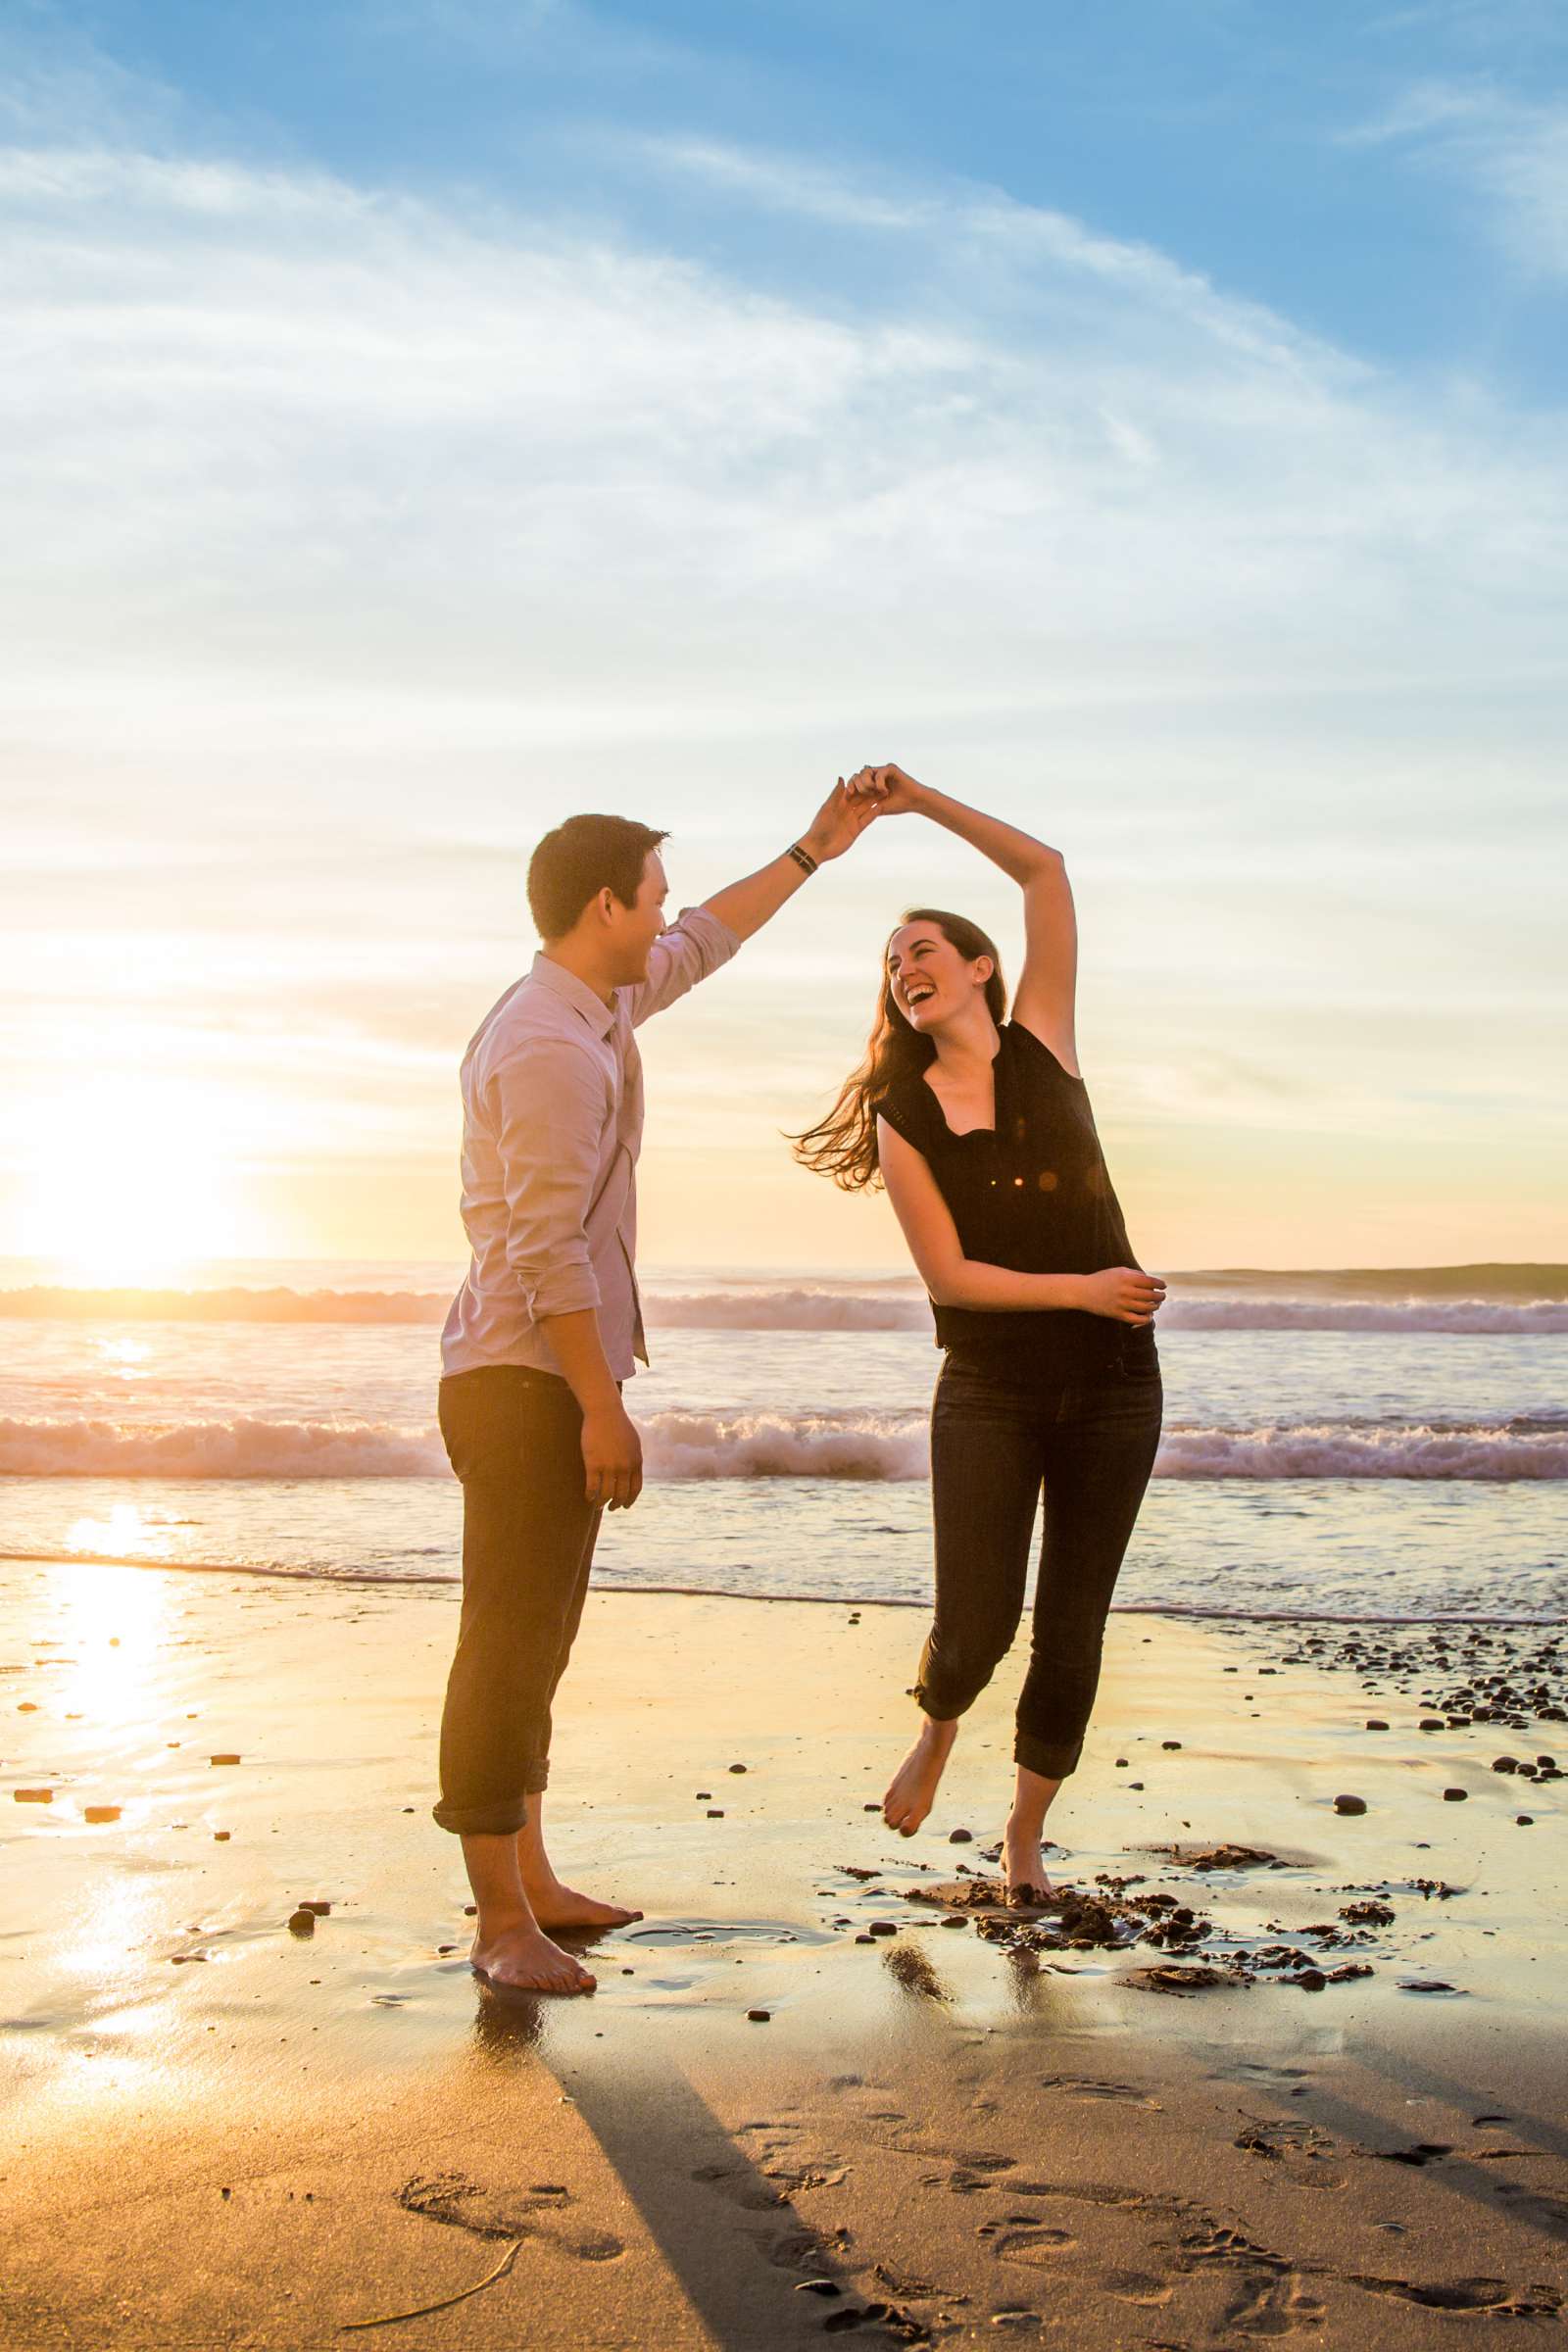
{"points": [[895, 793], [1124, 1294], [839, 823]]}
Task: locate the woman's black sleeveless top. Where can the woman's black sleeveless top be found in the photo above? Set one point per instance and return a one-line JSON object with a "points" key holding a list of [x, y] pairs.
{"points": [[1031, 1193]]}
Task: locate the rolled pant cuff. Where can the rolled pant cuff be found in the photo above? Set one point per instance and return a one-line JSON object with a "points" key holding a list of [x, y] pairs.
{"points": [[483, 1821], [1053, 1762], [940, 1710]]}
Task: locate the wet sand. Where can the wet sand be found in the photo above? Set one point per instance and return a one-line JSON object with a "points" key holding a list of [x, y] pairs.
{"points": [[945, 2125]]}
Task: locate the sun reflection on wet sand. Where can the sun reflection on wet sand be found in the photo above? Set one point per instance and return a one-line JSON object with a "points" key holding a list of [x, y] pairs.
{"points": [[109, 1621]]}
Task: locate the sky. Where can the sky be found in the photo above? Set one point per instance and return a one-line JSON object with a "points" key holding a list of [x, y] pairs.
{"points": [[420, 421]]}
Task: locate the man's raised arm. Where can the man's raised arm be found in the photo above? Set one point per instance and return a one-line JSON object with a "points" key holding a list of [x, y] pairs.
{"points": [[745, 906], [706, 937]]}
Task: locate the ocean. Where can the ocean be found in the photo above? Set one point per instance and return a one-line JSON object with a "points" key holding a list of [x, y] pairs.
{"points": [[1380, 1444]]}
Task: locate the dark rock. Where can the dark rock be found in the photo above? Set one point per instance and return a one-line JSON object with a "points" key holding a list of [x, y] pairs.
{"points": [[1375, 1722], [960, 1838], [1310, 1979], [884, 1927], [760, 2017], [1524, 1821], [737, 1768], [1349, 1804], [222, 1759], [1504, 1763], [302, 1923], [1170, 1744], [1454, 1797], [314, 1903]]}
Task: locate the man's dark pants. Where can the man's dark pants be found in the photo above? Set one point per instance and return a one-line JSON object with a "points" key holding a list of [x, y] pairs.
{"points": [[514, 1439]]}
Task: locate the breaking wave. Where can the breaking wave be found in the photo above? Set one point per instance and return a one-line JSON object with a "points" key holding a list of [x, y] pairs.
{"points": [[764, 1446], [864, 1307]]}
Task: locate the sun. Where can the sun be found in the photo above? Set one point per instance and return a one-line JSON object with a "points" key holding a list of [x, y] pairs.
{"points": [[128, 1183]]}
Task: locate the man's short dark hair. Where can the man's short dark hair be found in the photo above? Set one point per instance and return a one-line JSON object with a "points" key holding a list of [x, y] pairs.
{"points": [[580, 858]]}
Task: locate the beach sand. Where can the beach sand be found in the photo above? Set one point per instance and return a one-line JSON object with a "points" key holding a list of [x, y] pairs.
{"points": [[220, 2130]]}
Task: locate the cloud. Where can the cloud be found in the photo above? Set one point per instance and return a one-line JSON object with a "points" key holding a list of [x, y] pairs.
{"points": [[1511, 151], [371, 469]]}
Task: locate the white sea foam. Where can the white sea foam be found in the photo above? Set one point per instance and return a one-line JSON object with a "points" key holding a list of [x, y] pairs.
{"points": [[686, 1446]]}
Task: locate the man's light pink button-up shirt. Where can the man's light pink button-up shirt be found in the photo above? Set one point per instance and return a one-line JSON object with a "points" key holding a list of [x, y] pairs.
{"points": [[552, 1127]]}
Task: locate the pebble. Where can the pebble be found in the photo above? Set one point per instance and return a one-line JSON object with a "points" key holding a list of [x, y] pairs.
{"points": [[321, 1910], [302, 1923], [222, 1836], [1454, 1797], [213, 1760], [871, 1808], [716, 1812], [737, 1768], [28, 1706], [1432, 1723], [1524, 1821], [1349, 1804], [1170, 1743], [1121, 1763], [1375, 1722], [34, 1796], [960, 1838], [760, 2017], [1504, 1763], [100, 1812], [1134, 1783], [884, 1927], [955, 1922], [1311, 1980]]}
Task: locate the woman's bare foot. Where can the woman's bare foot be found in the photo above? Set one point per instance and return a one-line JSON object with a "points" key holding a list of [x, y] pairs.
{"points": [[912, 1790], [1023, 1868], [523, 1959], [562, 1911]]}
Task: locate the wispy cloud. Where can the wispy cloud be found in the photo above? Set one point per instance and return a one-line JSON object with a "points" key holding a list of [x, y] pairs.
{"points": [[1511, 151]]}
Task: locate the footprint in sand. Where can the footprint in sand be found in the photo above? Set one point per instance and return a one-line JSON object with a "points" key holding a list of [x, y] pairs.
{"points": [[1083, 2090]]}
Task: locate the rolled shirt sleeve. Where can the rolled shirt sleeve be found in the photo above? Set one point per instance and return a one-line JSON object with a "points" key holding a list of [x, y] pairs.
{"points": [[547, 1107], [694, 947]]}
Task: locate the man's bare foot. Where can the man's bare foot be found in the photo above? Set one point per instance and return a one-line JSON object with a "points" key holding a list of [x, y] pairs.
{"points": [[523, 1959], [1023, 1868], [912, 1790], [562, 1911]]}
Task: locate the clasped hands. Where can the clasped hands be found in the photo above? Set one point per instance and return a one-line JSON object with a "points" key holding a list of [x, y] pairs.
{"points": [[855, 802]]}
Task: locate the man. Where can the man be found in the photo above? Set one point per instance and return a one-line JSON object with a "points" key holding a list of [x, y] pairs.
{"points": [[545, 1329]]}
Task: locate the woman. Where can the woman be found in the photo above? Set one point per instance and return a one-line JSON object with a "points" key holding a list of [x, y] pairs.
{"points": [[981, 1128]]}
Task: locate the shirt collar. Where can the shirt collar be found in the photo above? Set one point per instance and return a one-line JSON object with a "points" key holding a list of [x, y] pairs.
{"points": [[600, 1017]]}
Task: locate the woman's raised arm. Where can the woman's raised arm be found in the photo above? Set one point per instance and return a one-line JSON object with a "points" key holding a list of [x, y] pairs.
{"points": [[1045, 997]]}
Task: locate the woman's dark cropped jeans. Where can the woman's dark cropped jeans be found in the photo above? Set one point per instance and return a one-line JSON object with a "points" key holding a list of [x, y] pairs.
{"points": [[996, 1438]]}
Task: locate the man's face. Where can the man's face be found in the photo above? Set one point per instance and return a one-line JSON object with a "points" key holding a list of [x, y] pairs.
{"points": [[636, 927]]}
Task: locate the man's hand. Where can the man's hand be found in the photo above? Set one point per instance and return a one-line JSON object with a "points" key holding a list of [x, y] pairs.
{"points": [[839, 823], [1124, 1294], [612, 1457], [889, 791]]}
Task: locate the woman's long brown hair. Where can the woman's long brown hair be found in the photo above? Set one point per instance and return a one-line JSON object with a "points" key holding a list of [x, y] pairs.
{"points": [[843, 1145]]}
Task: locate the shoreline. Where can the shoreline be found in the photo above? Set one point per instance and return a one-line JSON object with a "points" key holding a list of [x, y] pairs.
{"points": [[426, 1580]]}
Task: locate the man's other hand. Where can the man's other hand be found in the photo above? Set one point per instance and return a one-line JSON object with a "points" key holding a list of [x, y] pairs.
{"points": [[612, 1457]]}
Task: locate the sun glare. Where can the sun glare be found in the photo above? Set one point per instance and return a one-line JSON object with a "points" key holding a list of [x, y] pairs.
{"points": [[129, 1186]]}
